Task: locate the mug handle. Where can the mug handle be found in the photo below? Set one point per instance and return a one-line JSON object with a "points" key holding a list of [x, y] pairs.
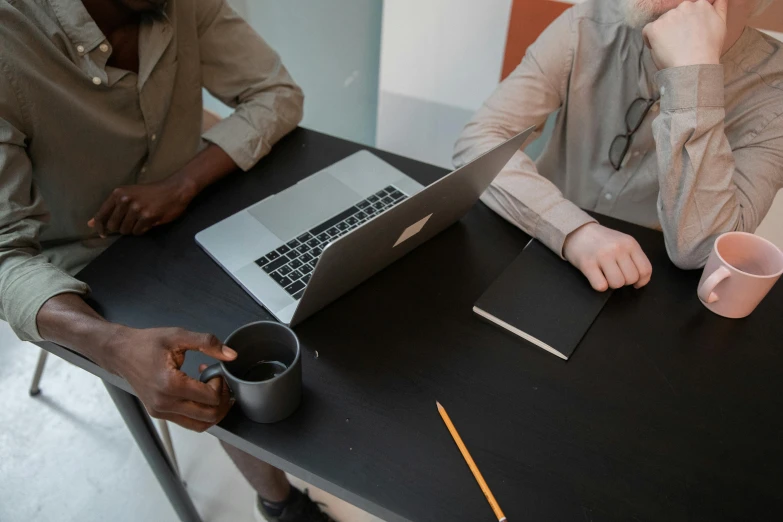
{"points": [[211, 372], [706, 290]]}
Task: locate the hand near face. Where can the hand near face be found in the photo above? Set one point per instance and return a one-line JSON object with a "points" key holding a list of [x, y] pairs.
{"points": [[692, 34]]}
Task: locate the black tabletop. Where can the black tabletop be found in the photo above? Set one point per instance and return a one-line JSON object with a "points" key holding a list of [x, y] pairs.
{"points": [[665, 411]]}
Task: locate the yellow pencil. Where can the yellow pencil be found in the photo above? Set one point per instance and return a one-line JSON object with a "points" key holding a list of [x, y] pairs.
{"points": [[471, 464]]}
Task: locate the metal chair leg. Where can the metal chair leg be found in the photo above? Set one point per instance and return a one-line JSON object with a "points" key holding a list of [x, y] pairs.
{"points": [[163, 428], [39, 368]]}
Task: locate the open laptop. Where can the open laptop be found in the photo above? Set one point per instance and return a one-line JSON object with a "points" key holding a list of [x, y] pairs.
{"points": [[299, 250]]}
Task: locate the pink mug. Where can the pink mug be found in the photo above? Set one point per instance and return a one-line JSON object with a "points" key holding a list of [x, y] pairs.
{"points": [[741, 270]]}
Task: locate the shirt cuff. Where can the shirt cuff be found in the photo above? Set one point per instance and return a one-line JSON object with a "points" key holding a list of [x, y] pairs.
{"points": [[29, 291], [558, 222], [690, 87], [239, 140]]}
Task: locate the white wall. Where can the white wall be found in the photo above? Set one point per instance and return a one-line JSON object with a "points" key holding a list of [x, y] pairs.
{"points": [[440, 60], [448, 52]]}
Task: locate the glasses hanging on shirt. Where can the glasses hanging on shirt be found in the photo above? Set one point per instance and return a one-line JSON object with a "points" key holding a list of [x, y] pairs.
{"points": [[634, 118]]}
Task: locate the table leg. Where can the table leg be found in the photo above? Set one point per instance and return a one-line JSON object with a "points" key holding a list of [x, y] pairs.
{"points": [[140, 425]]}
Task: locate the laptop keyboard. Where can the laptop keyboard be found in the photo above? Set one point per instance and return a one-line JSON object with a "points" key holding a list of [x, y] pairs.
{"points": [[292, 264]]}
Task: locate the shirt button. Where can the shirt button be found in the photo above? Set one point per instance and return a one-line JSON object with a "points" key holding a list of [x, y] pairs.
{"points": [[104, 48], [608, 197], [154, 137], [663, 91], [96, 81], [80, 48]]}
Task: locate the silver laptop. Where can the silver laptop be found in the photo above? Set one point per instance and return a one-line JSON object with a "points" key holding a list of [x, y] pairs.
{"points": [[299, 250]]}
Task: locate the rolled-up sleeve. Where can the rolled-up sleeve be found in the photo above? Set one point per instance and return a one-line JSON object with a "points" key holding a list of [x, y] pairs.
{"points": [[706, 188], [27, 279], [239, 68]]}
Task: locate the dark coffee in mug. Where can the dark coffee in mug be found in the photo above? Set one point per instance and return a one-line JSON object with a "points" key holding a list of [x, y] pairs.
{"points": [[263, 371], [266, 376]]}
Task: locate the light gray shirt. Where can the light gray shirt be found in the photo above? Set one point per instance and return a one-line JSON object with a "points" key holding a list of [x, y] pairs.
{"points": [[72, 128], [708, 158]]}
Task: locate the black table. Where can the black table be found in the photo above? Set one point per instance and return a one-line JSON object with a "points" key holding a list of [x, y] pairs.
{"points": [[665, 411]]}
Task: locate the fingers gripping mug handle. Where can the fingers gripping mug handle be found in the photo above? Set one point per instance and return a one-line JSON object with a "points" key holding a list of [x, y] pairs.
{"points": [[213, 371], [210, 373], [706, 290]]}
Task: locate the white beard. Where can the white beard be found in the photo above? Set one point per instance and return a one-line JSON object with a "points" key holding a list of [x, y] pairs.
{"points": [[639, 13]]}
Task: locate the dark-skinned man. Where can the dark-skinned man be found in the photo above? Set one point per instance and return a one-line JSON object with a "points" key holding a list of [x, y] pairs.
{"points": [[100, 135]]}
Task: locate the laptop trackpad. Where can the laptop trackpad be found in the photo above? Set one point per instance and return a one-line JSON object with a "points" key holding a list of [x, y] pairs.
{"points": [[305, 205]]}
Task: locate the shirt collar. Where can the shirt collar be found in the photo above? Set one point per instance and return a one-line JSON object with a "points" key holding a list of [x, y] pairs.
{"points": [[77, 24], [746, 39], [155, 36]]}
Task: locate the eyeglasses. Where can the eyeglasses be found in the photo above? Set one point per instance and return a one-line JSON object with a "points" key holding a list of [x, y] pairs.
{"points": [[636, 114]]}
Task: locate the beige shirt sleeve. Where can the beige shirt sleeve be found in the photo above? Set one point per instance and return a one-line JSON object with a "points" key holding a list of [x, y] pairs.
{"points": [[27, 279], [239, 68], [706, 188], [527, 97]]}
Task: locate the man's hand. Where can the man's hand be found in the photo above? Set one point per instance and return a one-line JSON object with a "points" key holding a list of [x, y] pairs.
{"points": [[609, 259], [692, 34], [150, 361], [135, 209]]}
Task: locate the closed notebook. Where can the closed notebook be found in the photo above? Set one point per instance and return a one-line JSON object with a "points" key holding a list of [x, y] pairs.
{"points": [[544, 300]]}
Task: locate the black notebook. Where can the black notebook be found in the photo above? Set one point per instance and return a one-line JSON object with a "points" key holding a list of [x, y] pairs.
{"points": [[544, 300]]}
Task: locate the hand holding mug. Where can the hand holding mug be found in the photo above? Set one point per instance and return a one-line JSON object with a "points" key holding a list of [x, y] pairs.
{"points": [[265, 378]]}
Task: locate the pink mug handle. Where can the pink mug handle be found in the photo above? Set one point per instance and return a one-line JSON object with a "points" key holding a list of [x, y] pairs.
{"points": [[706, 290]]}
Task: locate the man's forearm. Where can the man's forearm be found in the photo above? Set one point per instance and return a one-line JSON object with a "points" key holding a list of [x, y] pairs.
{"points": [[208, 166], [534, 204], [698, 197], [148, 359], [68, 321]]}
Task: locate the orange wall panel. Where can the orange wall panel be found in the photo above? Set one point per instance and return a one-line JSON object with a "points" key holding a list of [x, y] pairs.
{"points": [[529, 18]]}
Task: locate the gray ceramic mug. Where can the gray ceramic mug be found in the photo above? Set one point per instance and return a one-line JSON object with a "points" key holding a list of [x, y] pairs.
{"points": [[266, 377]]}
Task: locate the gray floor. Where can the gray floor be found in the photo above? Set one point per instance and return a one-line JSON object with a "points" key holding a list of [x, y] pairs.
{"points": [[67, 456]]}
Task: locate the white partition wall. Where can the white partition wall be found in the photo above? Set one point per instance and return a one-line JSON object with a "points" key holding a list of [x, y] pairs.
{"points": [[439, 60]]}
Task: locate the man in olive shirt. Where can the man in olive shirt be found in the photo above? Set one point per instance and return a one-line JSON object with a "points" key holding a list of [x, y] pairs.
{"points": [[100, 134], [671, 117]]}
